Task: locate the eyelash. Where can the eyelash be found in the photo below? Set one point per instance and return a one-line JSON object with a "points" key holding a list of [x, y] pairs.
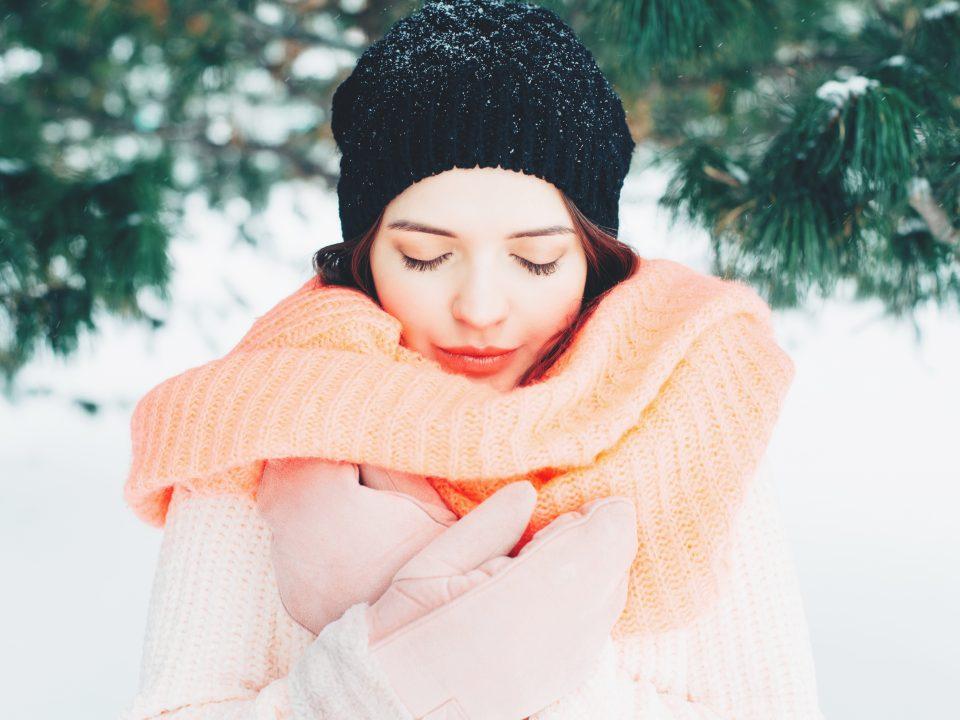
{"points": [[534, 268]]}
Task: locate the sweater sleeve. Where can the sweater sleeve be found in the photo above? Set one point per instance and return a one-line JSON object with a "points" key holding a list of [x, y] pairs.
{"points": [[219, 644], [747, 658]]}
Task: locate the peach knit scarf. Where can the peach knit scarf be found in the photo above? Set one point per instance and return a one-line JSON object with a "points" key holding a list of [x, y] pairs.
{"points": [[668, 395]]}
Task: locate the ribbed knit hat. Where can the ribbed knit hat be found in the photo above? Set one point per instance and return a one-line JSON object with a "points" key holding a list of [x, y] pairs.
{"points": [[467, 83]]}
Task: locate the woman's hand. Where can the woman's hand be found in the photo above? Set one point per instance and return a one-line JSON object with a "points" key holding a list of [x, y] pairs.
{"points": [[453, 615], [335, 542], [466, 631]]}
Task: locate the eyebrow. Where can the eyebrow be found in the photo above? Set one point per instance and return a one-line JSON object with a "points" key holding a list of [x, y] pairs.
{"points": [[420, 227]]}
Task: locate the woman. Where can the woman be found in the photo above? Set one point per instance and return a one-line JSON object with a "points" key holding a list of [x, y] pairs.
{"points": [[483, 156]]}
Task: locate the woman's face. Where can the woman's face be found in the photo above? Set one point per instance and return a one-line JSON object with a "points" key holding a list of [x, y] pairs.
{"points": [[453, 261]]}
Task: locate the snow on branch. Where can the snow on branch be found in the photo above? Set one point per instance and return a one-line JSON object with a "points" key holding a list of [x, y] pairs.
{"points": [[838, 92], [921, 199], [940, 10]]}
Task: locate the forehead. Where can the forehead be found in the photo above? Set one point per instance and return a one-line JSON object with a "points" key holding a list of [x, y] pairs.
{"points": [[498, 200]]}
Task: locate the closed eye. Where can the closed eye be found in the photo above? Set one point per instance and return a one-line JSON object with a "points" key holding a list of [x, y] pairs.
{"points": [[424, 265]]}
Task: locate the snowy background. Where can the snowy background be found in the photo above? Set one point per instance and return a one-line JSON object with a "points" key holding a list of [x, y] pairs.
{"points": [[865, 459]]}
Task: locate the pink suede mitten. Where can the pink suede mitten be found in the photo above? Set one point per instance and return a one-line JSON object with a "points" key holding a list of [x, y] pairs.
{"points": [[465, 632], [413, 486], [337, 542]]}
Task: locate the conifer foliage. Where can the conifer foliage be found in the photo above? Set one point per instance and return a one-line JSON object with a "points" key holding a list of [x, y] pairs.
{"points": [[112, 112], [818, 142]]}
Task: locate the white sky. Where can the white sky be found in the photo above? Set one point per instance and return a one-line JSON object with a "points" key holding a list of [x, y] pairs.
{"points": [[864, 457]]}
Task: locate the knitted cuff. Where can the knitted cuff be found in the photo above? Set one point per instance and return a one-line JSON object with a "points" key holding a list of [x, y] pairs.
{"points": [[337, 679]]}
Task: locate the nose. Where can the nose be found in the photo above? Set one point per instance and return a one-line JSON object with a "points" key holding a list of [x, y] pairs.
{"points": [[480, 301]]}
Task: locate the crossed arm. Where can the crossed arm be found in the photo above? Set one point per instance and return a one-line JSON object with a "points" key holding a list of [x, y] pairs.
{"points": [[219, 643]]}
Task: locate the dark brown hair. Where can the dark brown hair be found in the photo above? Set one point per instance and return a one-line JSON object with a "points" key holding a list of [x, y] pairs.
{"points": [[609, 261]]}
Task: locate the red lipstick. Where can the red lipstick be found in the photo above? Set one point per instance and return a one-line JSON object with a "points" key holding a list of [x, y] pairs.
{"points": [[474, 360], [475, 351]]}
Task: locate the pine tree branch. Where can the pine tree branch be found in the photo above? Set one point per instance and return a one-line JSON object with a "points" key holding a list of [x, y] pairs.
{"points": [[298, 34], [921, 199], [773, 69], [186, 134], [890, 21]]}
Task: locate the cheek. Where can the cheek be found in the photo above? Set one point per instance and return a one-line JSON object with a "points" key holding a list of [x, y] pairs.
{"points": [[560, 311], [417, 309], [558, 317]]}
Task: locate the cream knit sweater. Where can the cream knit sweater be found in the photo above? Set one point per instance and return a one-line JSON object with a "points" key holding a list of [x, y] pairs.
{"points": [[220, 645]]}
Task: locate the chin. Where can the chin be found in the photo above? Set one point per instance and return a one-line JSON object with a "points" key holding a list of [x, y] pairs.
{"points": [[501, 383]]}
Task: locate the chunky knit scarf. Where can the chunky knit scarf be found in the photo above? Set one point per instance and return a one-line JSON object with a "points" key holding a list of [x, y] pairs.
{"points": [[667, 395]]}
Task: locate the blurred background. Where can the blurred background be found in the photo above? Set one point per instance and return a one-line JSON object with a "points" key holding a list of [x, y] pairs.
{"points": [[167, 170]]}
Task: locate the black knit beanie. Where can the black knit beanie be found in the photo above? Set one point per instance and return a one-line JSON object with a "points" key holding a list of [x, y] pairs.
{"points": [[467, 83]]}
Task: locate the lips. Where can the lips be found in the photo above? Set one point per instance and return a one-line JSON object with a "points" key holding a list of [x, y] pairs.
{"points": [[466, 360], [488, 351]]}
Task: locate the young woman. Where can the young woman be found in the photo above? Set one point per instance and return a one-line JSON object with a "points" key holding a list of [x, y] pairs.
{"points": [[340, 509]]}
